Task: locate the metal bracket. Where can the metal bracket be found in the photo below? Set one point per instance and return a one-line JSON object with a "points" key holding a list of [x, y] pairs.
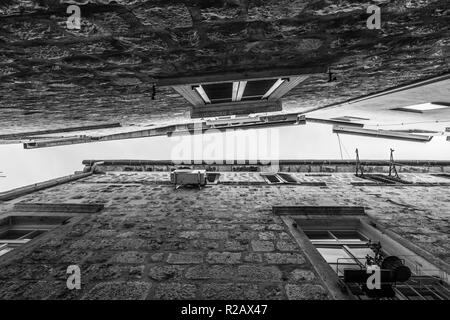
{"points": [[359, 166], [392, 169]]}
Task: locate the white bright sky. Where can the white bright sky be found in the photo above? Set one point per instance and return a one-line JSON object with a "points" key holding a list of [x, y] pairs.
{"points": [[312, 141]]}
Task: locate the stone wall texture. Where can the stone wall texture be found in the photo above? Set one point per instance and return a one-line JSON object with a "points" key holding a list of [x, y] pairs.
{"points": [[220, 242], [51, 76]]}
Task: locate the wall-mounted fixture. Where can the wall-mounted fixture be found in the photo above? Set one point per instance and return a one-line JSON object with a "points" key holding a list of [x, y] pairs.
{"points": [[187, 177]]}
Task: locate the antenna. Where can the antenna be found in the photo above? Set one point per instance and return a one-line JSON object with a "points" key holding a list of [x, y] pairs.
{"points": [[392, 168], [358, 165]]}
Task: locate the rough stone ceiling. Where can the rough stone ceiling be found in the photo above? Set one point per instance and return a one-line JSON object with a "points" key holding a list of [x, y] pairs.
{"points": [[51, 76]]}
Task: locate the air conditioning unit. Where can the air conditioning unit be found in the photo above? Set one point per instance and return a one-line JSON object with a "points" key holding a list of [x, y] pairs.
{"points": [[183, 177]]}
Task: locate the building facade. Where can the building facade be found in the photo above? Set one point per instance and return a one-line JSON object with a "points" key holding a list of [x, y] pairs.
{"points": [[249, 233]]}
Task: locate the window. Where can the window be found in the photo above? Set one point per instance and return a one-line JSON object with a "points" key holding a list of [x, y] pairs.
{"points": [[338, 238], [422, 288], [218, 92], [341, 248], [226, 92], [351, 249], [260, 89], [279, 178], [12, 238], [286, 178], [16, 231], [383, 179], [272, 178], [239, 93]]}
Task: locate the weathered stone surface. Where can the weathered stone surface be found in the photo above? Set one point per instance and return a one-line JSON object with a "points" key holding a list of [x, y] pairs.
{"points": [[185, 258], [235, 246], [157, 257], [189, 234], [272, 292], [286, 246], [223, 257], [119, 291], [277, 273], [205, 272], [205, 244], [305, 292], [216, 234], [267, 235], [136, 272], [258, 245], [300, 275], [165, 272], [253, 257], [129, 257], [99, 272], [230, 291], [41, 290], [175, 291], [115, 58], [284, 258], [250, 272]]}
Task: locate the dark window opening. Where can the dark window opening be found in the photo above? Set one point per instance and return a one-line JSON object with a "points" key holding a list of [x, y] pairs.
{"points": [[272, 179], [237, 91], [287, 177], [383, 179], [17, 231], [257, 89], [219, 92], [318, 235], [17, 234]]}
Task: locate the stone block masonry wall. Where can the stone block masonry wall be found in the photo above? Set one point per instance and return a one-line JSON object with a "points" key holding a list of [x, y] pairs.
{"points": [[221, 242], [52, 77]]}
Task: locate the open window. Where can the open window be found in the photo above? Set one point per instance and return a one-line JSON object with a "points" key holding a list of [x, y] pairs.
{"points": [[225, 92], [341, 249], [342, 243], [16, 236], [351, 249], [279, 178], [286, 178], [16, 231], [237, 93]]}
